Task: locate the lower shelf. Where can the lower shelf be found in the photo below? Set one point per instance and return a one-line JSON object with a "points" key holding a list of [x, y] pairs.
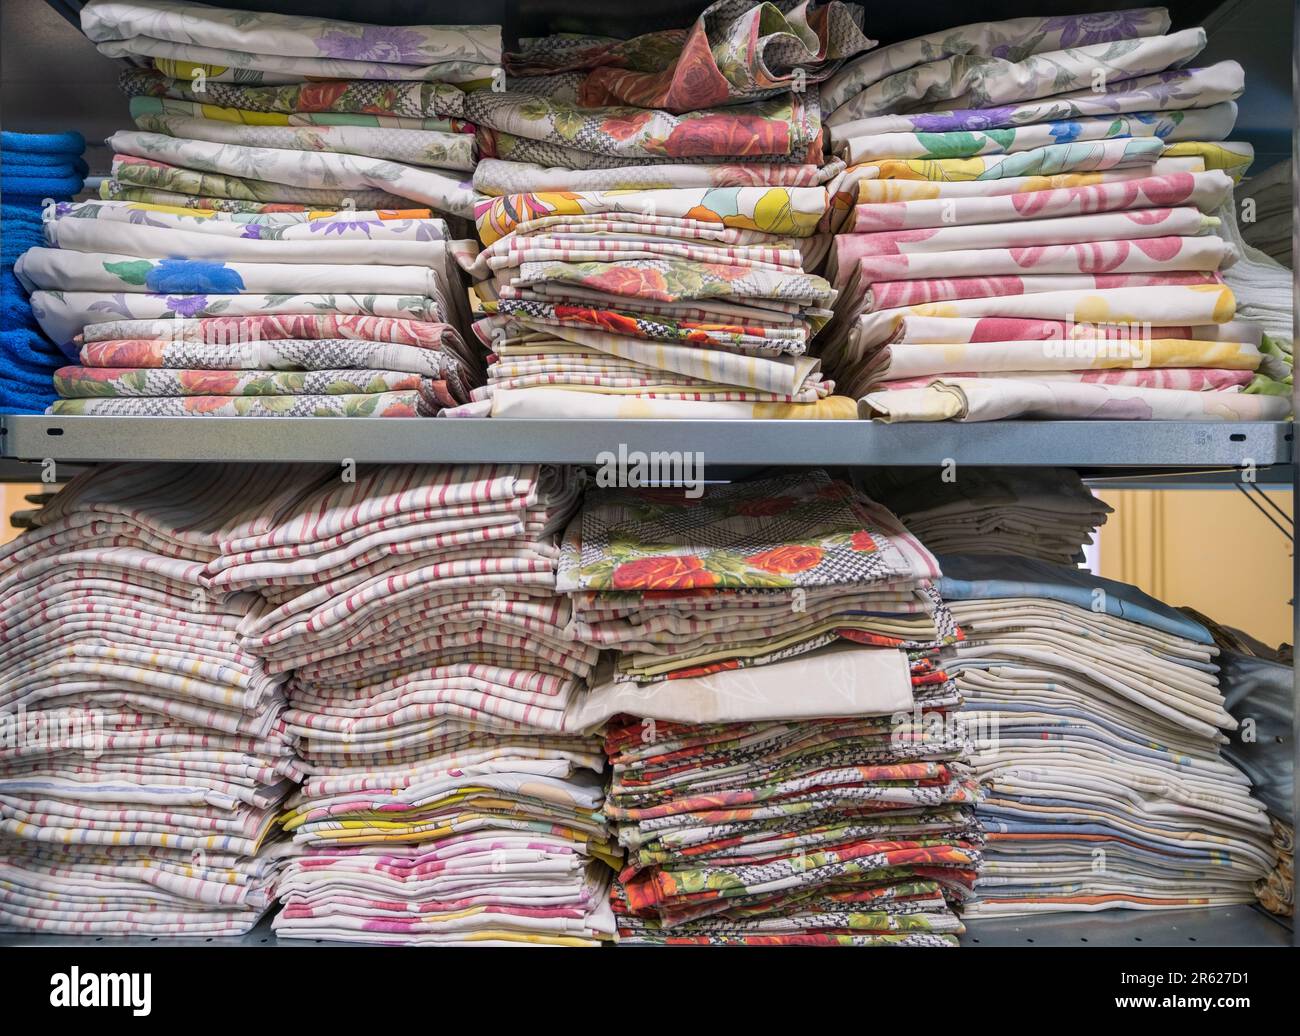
{"points": [[1224, 926]]}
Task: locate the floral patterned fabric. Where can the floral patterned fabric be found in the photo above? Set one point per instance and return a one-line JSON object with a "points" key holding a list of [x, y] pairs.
{"points": [[1172, 90], [737, 50], [1212, 123], [239, 171], [144, 105], [417, 147], [356, 97], [1012, 40], [788, 125], [317, 48], [968, 81], [494, 177], [379, 404], [792, 211]]}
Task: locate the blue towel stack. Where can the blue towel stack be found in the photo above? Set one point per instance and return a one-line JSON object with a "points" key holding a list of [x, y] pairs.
{"points": [[33, 167]]}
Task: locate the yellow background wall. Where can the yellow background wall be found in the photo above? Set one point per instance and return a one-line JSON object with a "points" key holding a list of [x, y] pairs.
{"points": [[1210, 549]]}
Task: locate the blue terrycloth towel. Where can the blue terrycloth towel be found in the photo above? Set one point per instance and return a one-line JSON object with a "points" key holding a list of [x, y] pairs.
{"points": [[33, 166], [43, 143]]}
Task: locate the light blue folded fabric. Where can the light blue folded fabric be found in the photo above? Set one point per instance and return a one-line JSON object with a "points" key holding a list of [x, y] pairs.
{"points": [[971, 577]]}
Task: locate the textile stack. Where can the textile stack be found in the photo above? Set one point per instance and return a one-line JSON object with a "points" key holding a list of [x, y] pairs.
{"points": [[145, 756], [689, 303], [34, 168], [750, 814], [729, 102], [285, 314], [1027, 228], [1043, 513], [244, 111], [1098, 725], [693, 295], [416, 608]]}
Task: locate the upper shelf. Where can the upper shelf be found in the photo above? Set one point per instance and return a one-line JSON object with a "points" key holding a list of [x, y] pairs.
{"points": [[1090, 444]]}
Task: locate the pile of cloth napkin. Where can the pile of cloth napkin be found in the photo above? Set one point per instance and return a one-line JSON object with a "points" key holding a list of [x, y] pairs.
{"points": [[35, 169], [1098, 728], [684, 302], [1043, 513], [146, 755], [749, 814], [444, 802], [1028, 232], [245, 111], [339, 314]]}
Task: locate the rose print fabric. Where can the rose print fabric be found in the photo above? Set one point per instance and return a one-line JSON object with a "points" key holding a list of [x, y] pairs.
{"points": [[737, 50], [787, 125], [353, 97], [317, 48]]}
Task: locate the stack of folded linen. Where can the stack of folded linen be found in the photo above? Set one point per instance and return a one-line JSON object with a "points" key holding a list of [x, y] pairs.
{"points": [[416, 607], [1040, 95], [1097, 726], [1101, 300], [729, 102], [34, 168], [744, 575], [343, 314], [1056, 170], [146, 756], [751, 815], [243, 111], [1042, 513], [672, 303], [855, 830]]}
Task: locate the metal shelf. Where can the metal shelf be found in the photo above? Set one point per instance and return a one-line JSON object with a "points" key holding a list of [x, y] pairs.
{"points": [[1219, 926], [1225, 926], [1092, 444]]}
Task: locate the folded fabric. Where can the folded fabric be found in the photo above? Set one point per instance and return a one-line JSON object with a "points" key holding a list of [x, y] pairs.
{"points": [[408, 403], [786, 125], [494, 177], [358, 96], [416, 147], [969, 81], [1012, 40], [1172, 90], [997, 399], [735, 51], [227, 166], [317, 48]]}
